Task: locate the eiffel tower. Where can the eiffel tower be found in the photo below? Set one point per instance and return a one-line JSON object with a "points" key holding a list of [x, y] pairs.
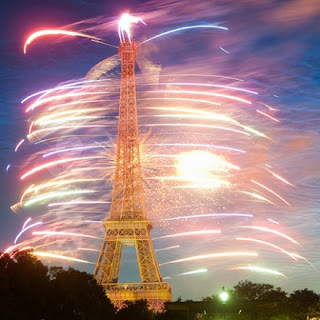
{"points": [[127, 224]]}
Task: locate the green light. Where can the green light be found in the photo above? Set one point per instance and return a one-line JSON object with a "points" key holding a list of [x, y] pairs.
{"points": [[224, 296]]}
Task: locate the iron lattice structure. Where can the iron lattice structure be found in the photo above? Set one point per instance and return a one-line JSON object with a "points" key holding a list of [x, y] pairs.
{"points": [[127, 224]]}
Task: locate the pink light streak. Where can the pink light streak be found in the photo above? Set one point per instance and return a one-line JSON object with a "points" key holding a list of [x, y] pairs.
{"points": [[212, 255], [190, 233], [54, 163], [271, 191], [272, 231], [62, 233], [18, 145]]}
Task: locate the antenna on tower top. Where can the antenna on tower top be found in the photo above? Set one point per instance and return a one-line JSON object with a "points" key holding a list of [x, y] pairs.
{"points": [[124, 26]]}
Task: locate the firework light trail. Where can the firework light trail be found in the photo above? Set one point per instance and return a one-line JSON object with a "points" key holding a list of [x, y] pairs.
{"points": [[24, 229], [186, 234], [213, 215], [212, 256], [268, 244], [193, 272], [167, 248], [43, 33], [58, 256], [261, 270], [183, 29], [188, 273], [57, 233], [203, 153], [273, 231]]}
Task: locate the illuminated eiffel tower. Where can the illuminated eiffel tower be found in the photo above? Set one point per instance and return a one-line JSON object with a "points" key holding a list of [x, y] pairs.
{"points": [[127, 224]]}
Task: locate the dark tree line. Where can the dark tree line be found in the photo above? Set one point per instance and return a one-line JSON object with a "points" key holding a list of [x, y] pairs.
{"points": [[266, 302], [296, 305], [31, 290]]}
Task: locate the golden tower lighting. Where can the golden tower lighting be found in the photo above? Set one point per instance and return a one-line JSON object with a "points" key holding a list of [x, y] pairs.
{"points": [[127, 224]]}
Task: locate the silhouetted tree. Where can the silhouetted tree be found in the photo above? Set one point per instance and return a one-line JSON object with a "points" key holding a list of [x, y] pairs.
{"points": [[6, 299], [208, 299], [27, 287], [30, 291], [250, 291], [76, 295], [303, 302], [135, 310]]}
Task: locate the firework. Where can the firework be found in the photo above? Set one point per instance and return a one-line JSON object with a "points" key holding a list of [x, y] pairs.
{"points": [[204, 148], [212, 256], [272, 231], [191, 233], [183, 29], [291, 255], [58, 256], [43, 33], [261, 270], [124, 25]]}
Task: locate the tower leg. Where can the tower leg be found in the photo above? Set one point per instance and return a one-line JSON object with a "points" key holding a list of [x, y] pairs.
{"points": [[149, 270], [111, 264]]}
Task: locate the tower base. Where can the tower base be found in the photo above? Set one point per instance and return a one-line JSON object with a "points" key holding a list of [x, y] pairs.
{"points": [[156, 293]]}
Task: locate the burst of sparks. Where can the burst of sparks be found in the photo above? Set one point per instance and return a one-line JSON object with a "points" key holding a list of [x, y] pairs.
{"points": [[207, 173], [125, 24]]}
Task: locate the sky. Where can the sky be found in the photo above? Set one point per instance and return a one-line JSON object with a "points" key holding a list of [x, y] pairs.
{"points": [[270, 48]]}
